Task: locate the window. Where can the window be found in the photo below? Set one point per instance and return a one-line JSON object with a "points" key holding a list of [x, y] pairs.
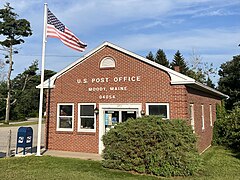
{"points": [[191, 109], [203, 126], [160, 109], [65, 114], [107, 62], [86, 117], [210, 115]]}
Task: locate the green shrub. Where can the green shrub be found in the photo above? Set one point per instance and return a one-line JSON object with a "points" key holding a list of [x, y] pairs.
{"points": [[153, 146], [219, 125], [227, 129]]}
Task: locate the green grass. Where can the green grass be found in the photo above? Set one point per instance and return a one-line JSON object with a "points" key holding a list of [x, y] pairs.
{"points": [[220, 164], [23, 123], [47, 167]]}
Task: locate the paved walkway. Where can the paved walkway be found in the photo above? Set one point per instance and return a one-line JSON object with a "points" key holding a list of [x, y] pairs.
{"points": [[80, 155], [4, 131]]}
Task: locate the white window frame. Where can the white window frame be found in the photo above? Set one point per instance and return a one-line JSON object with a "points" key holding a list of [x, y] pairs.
{"points": [[203, 125], [79, 118], [58, 116], [210, 115], [161, 104], [191, 112]]}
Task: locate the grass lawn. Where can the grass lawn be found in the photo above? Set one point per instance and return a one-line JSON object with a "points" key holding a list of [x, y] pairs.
{"points": [[219, 164], [22, 123]]}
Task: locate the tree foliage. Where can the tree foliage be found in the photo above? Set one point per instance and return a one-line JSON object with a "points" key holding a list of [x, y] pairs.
{"points": [[201, 71], [178, 60], [13, 30], [159, 58], [229, 82], [227, 128], [150, 56], [25, 95], [3, 94], [198, 70], [153, 146]]}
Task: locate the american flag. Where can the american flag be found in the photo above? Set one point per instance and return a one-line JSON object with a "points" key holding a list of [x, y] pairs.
{"points": [[56, 29]]}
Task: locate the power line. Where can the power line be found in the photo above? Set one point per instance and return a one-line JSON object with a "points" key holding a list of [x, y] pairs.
{"points": [[50, 55]]}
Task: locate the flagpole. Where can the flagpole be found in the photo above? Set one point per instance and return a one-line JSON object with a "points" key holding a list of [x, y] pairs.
{"points": [[42, 80]]}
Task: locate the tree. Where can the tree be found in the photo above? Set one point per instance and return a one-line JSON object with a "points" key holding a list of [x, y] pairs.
{"points": [[179, 61], [201, 71], [13, 29], [24, 93], [20, 85], [227, 128], [209, 83], [229, 82], [3, 94], [161, 58], [150, 56]]}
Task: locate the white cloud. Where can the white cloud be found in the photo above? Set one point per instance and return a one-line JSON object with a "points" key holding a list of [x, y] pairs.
{"points": [[88, 18], [218, 12], [199, 38]]}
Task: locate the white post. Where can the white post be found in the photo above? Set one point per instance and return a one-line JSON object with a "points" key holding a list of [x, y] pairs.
{"points": [[42, 80], [8, 153]]}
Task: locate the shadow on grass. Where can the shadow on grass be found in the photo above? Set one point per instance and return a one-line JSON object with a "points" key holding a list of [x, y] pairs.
{"points": [[28, 150], [236, 154], [2, 154]]}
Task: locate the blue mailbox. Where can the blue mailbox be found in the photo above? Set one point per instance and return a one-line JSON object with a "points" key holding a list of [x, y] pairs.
{"points": [[24, 138]]}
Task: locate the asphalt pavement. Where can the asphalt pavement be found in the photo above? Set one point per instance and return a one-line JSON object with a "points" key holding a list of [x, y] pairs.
{"points": [[4, 131]]}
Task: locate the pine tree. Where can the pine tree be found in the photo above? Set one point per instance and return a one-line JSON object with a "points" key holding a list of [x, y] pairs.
{"points": [[179, 61], [161, 58], [150, 56]]}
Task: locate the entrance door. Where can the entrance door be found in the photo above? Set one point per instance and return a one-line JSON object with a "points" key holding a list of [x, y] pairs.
{"points": [[112, 113], [128, 114], [114, 116]]}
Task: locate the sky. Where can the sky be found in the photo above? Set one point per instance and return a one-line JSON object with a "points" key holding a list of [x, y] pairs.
{"points": [[209, 29]]}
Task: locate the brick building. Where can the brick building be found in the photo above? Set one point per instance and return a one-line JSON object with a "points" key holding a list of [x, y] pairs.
{"points": [[109, 85]]}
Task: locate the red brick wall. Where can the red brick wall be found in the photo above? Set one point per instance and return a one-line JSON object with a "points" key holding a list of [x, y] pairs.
{"points": [[154, 86], [199, 98]]}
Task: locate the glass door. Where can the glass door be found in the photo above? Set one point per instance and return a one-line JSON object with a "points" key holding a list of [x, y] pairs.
{"points": [[128, 114], [111, 118], [114, 116]]}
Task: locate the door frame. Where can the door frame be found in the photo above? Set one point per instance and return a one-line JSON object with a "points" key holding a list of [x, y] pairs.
{"points": [[101, 122]]}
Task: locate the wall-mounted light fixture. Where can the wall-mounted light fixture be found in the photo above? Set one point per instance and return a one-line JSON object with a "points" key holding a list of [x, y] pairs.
{"points": [[96, 110], [142, 112]]}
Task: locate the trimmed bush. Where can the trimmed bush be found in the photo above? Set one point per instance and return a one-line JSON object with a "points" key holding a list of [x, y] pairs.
{"points": [[153, 146]]}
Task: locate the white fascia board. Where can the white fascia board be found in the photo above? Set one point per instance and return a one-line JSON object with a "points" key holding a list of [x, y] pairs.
{"points": [[211, 89]]}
